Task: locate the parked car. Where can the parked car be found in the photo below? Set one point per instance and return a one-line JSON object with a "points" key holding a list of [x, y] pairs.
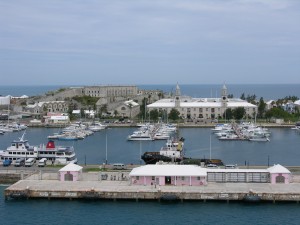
{"points": [[6, 162], [212, 166], [29, 162], [119, 166], [231, 166], [20, 162]]}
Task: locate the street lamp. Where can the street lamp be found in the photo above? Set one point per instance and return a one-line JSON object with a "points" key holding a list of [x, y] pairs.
{"points": [[105, 146]]}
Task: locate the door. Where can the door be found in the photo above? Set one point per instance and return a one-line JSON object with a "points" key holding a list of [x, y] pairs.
{"points": [[68, 176], [167, 180]]}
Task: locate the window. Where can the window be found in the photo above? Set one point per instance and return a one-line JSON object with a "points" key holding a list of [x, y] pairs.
{"points": [[137, 178], [153, 178], [182, 178], [198, 178]]}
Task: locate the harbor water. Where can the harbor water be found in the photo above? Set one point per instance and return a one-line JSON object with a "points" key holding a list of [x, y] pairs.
{"points": [[199, 143], [77, 212], [283, 149]]}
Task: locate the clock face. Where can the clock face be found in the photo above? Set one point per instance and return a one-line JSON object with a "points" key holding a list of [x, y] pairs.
{"points": [[224, 98], [177, 98]]}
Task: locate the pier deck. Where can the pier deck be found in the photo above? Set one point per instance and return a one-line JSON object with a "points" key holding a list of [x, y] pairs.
{"points": [[120, 189]]}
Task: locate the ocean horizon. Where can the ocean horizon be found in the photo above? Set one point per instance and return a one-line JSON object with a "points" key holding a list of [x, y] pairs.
{"points": [[266, 91]]}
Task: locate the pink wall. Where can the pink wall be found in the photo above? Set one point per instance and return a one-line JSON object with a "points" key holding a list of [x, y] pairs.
{"points": [[76, 175], [179, 182], [287, 178]]}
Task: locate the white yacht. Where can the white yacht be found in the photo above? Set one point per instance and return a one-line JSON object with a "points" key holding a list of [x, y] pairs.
{"points": [[21, 149]]}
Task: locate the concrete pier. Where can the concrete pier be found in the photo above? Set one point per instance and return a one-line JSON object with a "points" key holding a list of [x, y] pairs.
{"points": [[91, 187]]}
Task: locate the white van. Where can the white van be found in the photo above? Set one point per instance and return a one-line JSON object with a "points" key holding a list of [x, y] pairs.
{"points": [[231, 166], [42, 162], [29, 162], [119, 166]]}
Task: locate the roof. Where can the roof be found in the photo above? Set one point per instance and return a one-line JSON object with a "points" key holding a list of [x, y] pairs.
{"points": [[215, 170], [71, 167], [277, 168], [131, 102], [297, 102], [76, 111], [188, 102], [168, 170]]}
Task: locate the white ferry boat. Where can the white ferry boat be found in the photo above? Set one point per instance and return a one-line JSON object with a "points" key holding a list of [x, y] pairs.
{"points": [[55, 154]]}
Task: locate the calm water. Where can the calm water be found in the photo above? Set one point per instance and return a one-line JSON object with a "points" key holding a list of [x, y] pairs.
{"points": [[64, 212], [283, 147], [267, 91]]}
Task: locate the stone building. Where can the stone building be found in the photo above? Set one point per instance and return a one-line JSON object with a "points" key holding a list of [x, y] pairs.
{"points": [[45, 107], [202, 108], [110, 93], [129, 109]]}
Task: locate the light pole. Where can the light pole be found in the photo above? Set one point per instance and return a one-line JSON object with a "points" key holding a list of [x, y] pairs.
{"points": [[140, 152], [105, 146]]}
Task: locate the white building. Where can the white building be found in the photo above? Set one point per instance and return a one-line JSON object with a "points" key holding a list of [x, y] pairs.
{"points": [[202, 108], [5, 100]]}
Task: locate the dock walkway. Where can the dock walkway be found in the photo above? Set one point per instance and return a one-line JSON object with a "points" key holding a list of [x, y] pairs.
{"points": [[92, 187]]}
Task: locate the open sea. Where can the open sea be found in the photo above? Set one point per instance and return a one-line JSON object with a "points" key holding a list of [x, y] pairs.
{"points": [[283, 149], [267, 91]]}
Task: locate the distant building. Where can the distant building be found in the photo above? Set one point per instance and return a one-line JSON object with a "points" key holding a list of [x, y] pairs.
{"points": [[5, 100], [56, 118], [128, 109], [110, 93], [51, 106], [202, 108]]}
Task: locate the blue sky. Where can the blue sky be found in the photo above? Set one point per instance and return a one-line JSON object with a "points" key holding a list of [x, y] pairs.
{"points": [[91, 42]]}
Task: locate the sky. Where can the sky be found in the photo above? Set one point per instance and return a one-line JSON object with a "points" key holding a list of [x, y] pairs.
{"points": [[131, 42]]}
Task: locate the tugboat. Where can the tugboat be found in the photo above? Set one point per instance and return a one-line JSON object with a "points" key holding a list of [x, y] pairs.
{"points": [[172, 152]]}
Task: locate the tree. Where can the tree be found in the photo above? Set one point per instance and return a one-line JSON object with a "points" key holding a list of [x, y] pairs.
{"points": [[228, 115], [130, 105], [239, 113], [174, 114], [116, 113], [243, 96], [154, 114], [103, 109], [261, 108]]}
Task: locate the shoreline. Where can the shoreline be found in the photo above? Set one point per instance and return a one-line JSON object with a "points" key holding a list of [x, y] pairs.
{"points": [[180, 125]]}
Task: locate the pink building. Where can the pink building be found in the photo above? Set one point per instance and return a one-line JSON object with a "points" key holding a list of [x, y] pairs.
{"points": [[279, 174], [193, 175], [175, 175], [70, 172]]}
